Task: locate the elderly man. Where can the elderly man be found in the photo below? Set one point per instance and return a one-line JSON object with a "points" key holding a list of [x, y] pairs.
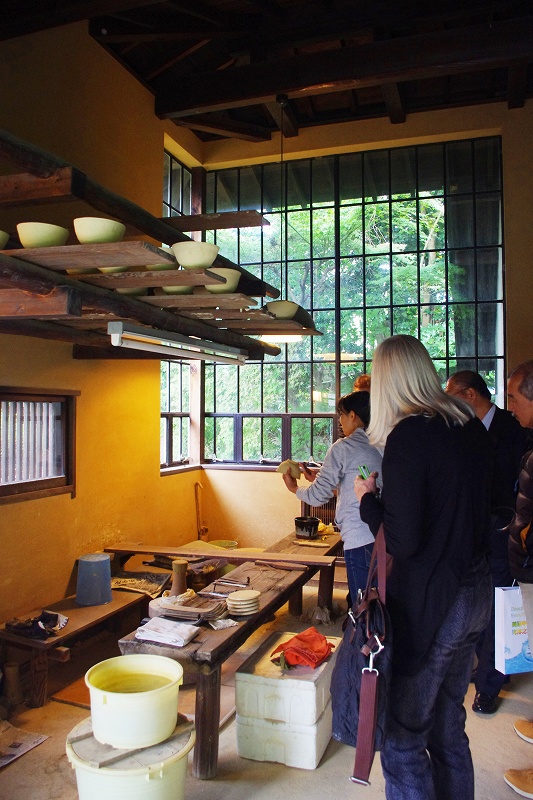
{"points": [[520, 402], [509, 442]]}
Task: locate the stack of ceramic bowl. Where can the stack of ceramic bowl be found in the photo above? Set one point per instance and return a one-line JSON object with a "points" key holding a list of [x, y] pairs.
{"points": [[243, 602]]}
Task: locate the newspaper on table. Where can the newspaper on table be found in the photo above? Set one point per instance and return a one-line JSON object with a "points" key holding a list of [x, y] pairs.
{"points": [[165, 631], [150, 583], [15, 742]]}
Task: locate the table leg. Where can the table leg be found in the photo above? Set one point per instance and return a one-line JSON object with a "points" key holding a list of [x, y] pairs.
{"points": [[39, 678], [207, 721], [325, 587], [296, 602]]}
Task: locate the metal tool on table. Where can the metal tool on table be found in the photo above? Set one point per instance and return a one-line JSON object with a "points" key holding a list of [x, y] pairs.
{"points": [[281, 565], [230, 582]]}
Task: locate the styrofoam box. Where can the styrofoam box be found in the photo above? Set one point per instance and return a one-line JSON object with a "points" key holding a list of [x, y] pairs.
{"points": [[297, 696], [294, 745]]}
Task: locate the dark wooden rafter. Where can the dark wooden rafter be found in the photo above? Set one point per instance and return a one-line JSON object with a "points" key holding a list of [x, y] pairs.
{"points": [[224, 219], [62, 301], [54, 332], [516, 86], [24, 20], [188, 51], [225, 126], [427, 55], [393, 101], [284, 117]]}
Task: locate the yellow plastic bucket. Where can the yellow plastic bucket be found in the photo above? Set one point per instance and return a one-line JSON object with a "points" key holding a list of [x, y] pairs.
{"points": [[155, 773], [134, 699]]}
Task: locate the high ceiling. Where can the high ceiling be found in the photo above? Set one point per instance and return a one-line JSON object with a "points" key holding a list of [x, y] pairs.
{"points": [[222, 67]]}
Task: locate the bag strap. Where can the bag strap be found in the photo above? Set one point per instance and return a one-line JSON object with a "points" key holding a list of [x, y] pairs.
{"points": [[366, 729], [368, 706], [378, 566]]}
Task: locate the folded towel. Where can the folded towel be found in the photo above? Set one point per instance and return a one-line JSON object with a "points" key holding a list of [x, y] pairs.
{"points": [[309, 648], [165, 631]]}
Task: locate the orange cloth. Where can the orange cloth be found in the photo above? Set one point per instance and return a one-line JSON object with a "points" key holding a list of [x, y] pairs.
{"points": [[309, 648]]}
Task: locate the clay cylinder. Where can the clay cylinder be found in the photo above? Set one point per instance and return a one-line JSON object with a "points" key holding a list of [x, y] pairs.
{"points": [[179, 577]]}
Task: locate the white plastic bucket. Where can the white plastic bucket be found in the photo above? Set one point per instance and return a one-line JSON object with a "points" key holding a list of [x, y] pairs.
{"points": [[155, 773], [134, 699]]}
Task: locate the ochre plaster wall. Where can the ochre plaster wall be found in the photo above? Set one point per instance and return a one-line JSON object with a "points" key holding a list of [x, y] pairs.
{"points": [[120, 495]]}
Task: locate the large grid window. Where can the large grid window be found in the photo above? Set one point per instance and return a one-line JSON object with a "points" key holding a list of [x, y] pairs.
{"points": [[406, 240], [177, 183], [37, 444], [175, 413]]}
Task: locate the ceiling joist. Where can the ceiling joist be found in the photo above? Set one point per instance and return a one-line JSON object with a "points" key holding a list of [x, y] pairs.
{"points": [[428, 55]]}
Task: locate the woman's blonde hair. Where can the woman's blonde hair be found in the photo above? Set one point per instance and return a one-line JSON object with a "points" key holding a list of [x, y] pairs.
{"points": [[405, 382]]}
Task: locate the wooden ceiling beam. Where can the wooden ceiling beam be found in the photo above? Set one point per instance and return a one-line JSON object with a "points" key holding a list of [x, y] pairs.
{"points": [[224, 126], [55, 332], [59, 302], [284, 117], [212, 222], [517, 86], [50, 15], [428, 55], [393, 101]]}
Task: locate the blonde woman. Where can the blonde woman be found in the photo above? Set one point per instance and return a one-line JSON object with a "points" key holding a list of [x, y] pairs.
{"points": [[435, 509]]}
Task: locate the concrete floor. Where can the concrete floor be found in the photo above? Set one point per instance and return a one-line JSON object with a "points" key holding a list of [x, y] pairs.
{"points": [[45, 773]]}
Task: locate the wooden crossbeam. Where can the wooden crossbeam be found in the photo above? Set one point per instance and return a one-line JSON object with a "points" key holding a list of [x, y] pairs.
{"points": [[210, 222], [59, 302]]}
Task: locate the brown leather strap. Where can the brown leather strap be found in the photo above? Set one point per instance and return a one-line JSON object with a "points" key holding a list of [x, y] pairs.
{"points": [[366, 730], [368, 708]]}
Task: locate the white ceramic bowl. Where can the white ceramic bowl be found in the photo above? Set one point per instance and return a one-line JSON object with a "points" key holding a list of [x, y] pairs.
{"points": [[232, 277], [41, 234], [4, 238], [97, 230], [282, 309], [195, 255]]}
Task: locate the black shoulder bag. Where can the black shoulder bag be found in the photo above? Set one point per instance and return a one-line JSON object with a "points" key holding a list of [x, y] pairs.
{"points": [[361, 675]]}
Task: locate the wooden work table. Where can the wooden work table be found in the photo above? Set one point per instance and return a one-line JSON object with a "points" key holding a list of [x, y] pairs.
{"points": [[210, 649], [286, 550]]}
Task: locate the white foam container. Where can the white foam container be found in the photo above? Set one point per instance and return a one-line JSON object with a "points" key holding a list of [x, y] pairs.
{"points": [[294, 745], [297, 696], [122, 714], [153, 773]]}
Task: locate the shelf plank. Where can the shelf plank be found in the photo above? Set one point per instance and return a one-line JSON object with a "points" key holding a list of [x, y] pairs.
{"points": [[194, 301], [211, 222], [133, 253], [282, 326], [153, 279]]}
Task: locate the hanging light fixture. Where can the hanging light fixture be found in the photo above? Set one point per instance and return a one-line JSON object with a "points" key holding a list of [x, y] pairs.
{"points": [[279, 338]]}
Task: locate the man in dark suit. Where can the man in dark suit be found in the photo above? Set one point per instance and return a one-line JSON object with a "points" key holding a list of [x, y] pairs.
{"points": [[509, 442]]}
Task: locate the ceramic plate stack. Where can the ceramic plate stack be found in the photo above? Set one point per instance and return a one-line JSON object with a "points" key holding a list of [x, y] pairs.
{"points": [[244, 602]]}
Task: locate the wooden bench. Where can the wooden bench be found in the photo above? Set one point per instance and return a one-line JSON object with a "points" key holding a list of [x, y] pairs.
{"points": [[80, 620]]}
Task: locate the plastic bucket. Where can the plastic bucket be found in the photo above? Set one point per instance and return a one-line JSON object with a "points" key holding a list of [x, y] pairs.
{"points": [[93, 586], [134, 699], [155, 773]]}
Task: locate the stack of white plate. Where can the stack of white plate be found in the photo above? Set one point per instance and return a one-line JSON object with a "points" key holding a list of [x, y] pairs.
{"points": [[244, 602]]}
